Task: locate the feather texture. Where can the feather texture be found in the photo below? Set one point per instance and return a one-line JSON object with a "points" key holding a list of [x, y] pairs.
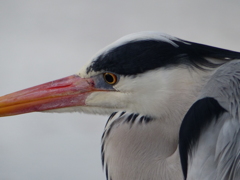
{"points": [[215, 155]]}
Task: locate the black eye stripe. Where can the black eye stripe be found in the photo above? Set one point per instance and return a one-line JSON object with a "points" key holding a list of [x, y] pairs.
{"points": [[137, 57]]}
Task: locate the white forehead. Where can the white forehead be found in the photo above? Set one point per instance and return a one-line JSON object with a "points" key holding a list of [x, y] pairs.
{"points": [[146, 35]]}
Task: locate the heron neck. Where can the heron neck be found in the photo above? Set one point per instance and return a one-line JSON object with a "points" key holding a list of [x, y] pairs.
{"points": [[139, 150]]}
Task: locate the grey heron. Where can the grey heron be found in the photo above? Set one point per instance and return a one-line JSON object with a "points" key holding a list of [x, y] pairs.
{"points": [[147, 81], [210, 132]]}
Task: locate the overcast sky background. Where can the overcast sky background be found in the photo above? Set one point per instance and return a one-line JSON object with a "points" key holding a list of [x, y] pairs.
{"points": [[43, 40]]}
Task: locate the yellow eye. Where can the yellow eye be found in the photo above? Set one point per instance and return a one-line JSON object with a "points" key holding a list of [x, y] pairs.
{"points": [[110, 78]]}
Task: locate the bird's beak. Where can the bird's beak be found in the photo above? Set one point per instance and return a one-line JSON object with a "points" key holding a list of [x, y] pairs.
{"points": [[66, 92]]}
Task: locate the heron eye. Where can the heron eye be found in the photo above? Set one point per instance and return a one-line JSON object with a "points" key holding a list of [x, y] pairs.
{"points": [[110, 78]]}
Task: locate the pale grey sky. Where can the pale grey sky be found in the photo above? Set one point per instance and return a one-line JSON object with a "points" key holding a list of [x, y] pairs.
{"points": [[43, 40]]}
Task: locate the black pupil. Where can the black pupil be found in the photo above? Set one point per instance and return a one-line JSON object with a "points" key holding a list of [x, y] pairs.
{"points": [[109, 78]]}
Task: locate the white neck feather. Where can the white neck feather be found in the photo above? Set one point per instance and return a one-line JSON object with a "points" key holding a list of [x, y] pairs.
{"points": [[150, 150]]}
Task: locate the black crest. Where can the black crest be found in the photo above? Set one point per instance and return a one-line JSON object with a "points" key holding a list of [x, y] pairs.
{"points": [[135, 57]]}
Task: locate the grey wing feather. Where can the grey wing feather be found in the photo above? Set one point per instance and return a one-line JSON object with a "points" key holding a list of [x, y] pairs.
{"points": [[216, 155], [228, 151]]}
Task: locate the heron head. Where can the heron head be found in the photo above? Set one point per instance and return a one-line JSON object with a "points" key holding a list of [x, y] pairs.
{"points": [[141, 72]]}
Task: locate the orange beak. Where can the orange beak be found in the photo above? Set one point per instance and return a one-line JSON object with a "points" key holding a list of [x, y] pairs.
{"points": [[65, 92]]}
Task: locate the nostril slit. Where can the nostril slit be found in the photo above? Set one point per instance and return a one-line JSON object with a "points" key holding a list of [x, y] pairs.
{"points": [[90, 82]]}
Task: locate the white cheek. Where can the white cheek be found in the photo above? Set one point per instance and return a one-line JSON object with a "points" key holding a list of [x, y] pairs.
{"points": [[107, 99], [153, 91]]}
